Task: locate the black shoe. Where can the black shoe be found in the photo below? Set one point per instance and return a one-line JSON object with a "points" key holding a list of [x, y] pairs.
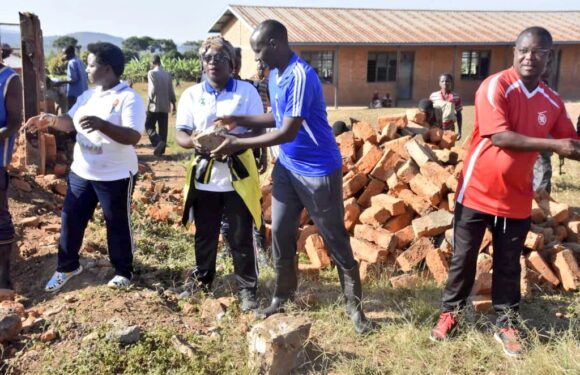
{"points": [[248, 301], [352, 289], [159, 149], [286, 282]]}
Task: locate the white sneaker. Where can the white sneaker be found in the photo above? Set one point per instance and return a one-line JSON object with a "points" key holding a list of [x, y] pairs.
{"points": [[58, 280], [119, 282]]}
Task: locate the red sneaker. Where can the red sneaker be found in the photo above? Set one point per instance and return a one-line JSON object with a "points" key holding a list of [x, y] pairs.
{"points": [[445, 326], [511, 341]]}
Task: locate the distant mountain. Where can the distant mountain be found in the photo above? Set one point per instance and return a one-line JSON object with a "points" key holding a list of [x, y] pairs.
{"points": [[85, 38]]}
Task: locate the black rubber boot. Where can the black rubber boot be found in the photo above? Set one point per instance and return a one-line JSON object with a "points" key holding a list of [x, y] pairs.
{"points": [[284, 289], [352, 289], [5, 251]]}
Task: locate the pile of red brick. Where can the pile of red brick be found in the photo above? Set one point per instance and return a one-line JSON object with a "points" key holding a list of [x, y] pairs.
{"points": [[399, 183]]}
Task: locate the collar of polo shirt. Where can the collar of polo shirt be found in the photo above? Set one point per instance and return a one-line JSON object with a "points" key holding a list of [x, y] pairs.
{"points": [[230, 86]]}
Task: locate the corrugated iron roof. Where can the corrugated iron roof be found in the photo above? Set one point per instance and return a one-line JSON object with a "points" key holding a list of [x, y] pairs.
{"points": [[415, 27]]}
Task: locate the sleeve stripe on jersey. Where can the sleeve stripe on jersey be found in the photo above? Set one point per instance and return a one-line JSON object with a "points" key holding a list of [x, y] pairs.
{"points": [[491, 90], [299, 88], [541, 91], [469, 170]]}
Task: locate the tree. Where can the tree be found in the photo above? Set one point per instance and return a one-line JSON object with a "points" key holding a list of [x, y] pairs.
{"points": [[136, 43], [64, 41], [166, 45], [191, 49]]}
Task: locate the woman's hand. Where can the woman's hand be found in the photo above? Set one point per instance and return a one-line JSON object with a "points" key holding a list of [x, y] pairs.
{"points": [[197, 146], [40, 122], [92, 123]]}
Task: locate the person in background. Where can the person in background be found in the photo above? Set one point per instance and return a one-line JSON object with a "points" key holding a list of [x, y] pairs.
{"points": [[108, 120], [543, 167], [515, 116], [387, 101], [215, 187], [376, 100], [161, 98], [307, 174], [431, 113], [77, 80], [10, 121], [449, 102]]}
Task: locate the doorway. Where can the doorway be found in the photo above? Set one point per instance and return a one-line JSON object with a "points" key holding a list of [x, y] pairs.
{"points": [[405, 76]]}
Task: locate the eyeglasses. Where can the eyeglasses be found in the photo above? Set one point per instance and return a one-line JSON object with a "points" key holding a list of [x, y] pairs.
{"points": [[539, 52], [217, 58]]}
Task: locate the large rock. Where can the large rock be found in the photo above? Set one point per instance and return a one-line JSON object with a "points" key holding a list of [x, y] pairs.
{"points": [[276, 344], [10, 326], [127, 335]]}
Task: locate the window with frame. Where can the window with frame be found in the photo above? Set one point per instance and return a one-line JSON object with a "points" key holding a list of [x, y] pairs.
{"points": [[322, 62], [382, 67], [475, 64]]}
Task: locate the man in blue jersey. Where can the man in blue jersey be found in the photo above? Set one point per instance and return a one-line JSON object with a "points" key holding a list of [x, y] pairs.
{"points": [[308, 172], [77, 79], [10, 121]]}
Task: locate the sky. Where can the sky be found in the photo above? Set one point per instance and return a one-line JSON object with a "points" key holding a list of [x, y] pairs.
{"points": [[183, 20]]}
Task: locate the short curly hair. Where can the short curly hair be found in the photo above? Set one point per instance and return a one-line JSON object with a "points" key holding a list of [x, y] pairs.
{"points": [[219, 43]]}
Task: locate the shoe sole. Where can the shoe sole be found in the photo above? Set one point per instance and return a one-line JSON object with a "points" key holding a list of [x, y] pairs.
{"points": [[75, 273], [506, 352]]}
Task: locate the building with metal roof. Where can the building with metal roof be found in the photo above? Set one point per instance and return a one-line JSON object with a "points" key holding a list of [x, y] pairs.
{"points": [[402, 52]]}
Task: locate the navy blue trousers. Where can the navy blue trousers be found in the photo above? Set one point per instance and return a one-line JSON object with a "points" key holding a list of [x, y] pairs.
{"points": [[80, 202]]}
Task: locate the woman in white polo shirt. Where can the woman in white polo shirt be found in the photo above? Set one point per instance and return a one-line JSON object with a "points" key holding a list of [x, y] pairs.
{"points": [[214, 187], [109, 121]]}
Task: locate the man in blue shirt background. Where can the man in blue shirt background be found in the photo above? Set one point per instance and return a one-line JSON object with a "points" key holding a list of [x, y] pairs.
{"points": [[308, 172], [76, 73]]}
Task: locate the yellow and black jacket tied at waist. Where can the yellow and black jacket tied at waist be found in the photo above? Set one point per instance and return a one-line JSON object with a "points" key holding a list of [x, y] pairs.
{"points": [[243, 175]]}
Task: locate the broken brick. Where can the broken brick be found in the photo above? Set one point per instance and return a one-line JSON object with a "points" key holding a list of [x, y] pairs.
{"points": [[373, 188], [407, 171], [369, 160], [432, 224], [354, 185], [404, 237], [365, 132], [425, 188], [437, 264], [393, 205], [346, 145], [536, 262], [567, 269], [400, 221], [399, 119], [367, 251], [386, 165], [317, 251], [375, 216], [382, 237], [351, 213], [414, 254]]}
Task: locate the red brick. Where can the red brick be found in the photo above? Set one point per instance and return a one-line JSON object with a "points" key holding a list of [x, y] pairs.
{"points": [[432, 224], [311, 270], [388, 163], [346, 145], [418, 204], [560, 232], [407, 171], [452, 183], [60, 187], [369, 160], [437, 264], [389, 132], [7, 295], [416, 116], [419, 152], [536, 262], [414, 129], [305, 232], [444, 205], [367, 251], [398, 146], [559, 211], [354, 185], [484, 263], [482, 284], [482, 304], [382, 237], [446, 248], [60, 169], [448, 139], [437, 174], [405, 281], [395, 206], [426, 189], [567, 269], [365, 132], [373, 188], [399, 119], [533, 240], [538, 214], [375, 216], [435, 134], [400, 221], [317, 251], [414, 254], [573, 229], [351, 213], [363, 268], [404, 237]]}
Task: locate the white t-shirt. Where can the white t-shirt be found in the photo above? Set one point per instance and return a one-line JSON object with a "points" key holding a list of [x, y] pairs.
{"points": [[96, 156], [201, 104]]}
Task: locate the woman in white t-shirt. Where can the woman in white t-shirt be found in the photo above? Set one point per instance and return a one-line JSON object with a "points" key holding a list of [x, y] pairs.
{"points": [[109, 120], [214, 187]]}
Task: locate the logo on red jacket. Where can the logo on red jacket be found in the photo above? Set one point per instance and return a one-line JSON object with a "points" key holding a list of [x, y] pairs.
{"points": [[542, 118]]}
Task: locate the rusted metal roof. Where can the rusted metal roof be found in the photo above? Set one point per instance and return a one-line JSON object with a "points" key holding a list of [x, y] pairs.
{"points": [[312, 26]]}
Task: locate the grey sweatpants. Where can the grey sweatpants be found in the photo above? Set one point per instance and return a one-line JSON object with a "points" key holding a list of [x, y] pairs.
{"points": [[322, 197]]}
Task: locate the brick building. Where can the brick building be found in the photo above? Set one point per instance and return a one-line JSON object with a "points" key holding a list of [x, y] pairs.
{"points": [[403, 52]]}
